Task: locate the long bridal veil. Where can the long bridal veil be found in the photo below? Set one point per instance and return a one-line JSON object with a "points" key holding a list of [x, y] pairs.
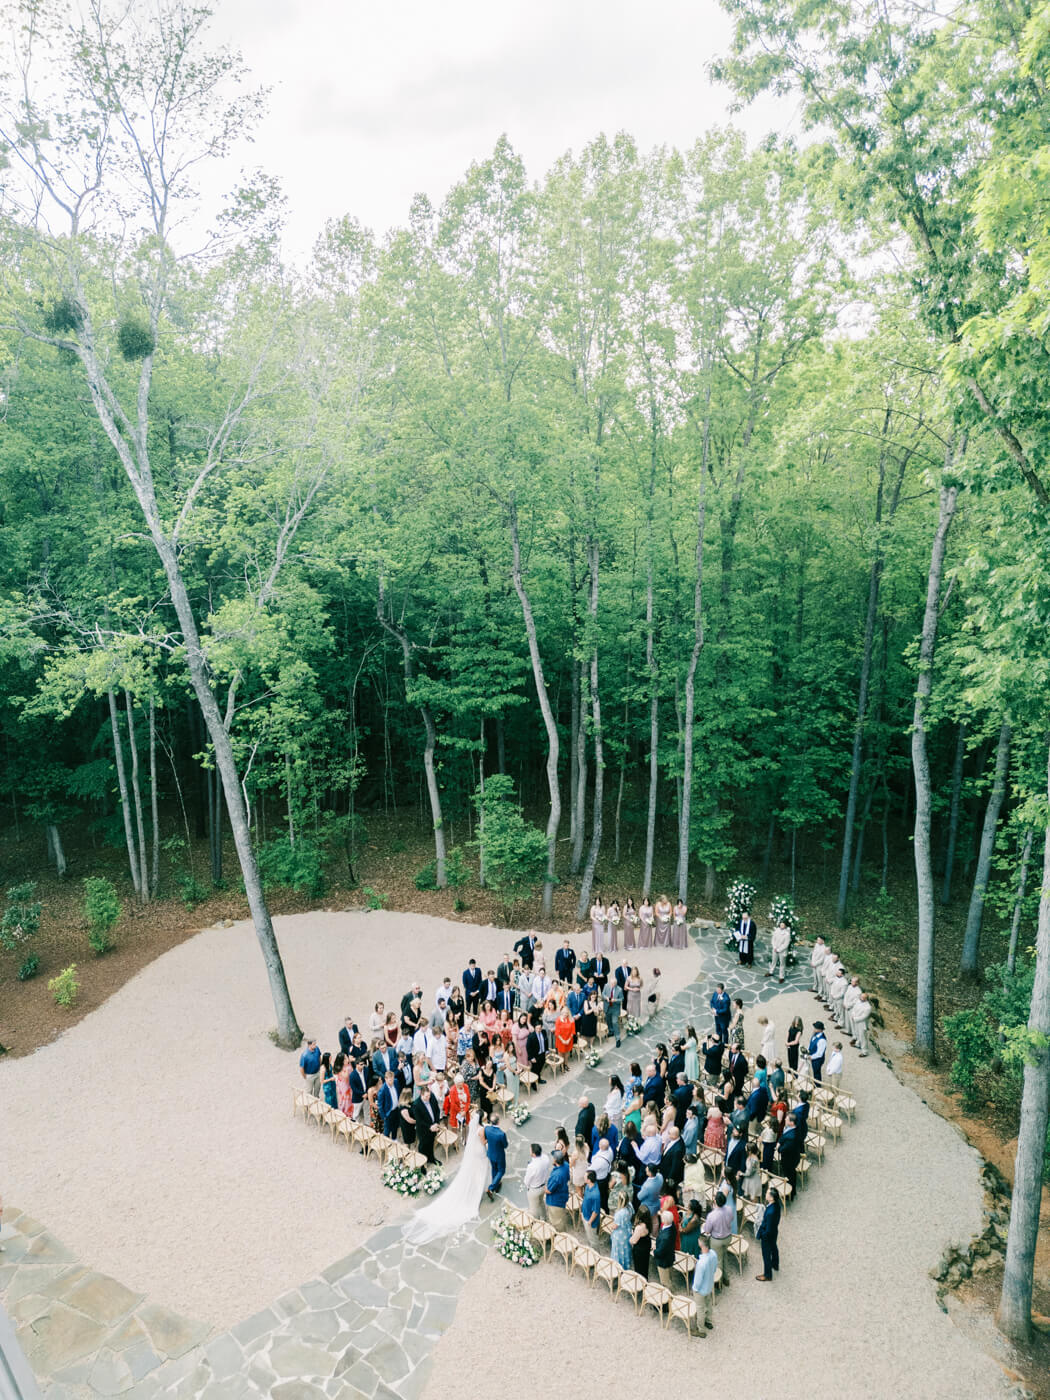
{"points": [[460, 1201]]}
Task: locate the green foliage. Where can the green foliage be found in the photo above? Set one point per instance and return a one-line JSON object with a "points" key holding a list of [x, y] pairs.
{"points": [[62, 316], [192, 891], [298, 866], [29, 967], [102, 910], [373, 899], [65, 986], [21, 916], [135, 339], [881, 918], [457, 872], [514, 852]]}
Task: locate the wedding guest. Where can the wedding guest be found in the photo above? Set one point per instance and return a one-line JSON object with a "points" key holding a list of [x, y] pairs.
{"points": [[634, 994], [457, 1008], [549, 1019], [556, 1198], [691, 1050], [310, 1067], [663, 1248], [620, 1193], [579, 1162], [777, 1080], [406, 1118], [620, 1244], [591, 1209], [715, 1132], [565, 962], [689, 1235], [704, 1283], [601, 1165], [718, 1227], [328, 1081], [387, 1104], [833, 1074], [632, 1113], [768, 1140], [614, 1101], [391, 1030], [767, 1032], [641, 1241], [652, 1000], [714, 1049], [613, 998], [564, 1033], [457, 1104], [767, 1235], [535, 1181], [751, 1177], [691, 1132], [736, 1025], [652, 1188], [721, 1009], [794, 1043]]}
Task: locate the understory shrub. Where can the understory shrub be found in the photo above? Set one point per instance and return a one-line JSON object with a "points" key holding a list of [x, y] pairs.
{"points": [[102, 910], [457, 872], [21, 916], [296, 867], [28, 968], [65, 986]]}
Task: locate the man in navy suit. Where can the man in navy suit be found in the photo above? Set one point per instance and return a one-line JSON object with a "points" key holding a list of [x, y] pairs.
{"points": [[565, 962], [600, 969], [790, 1151], [738, 1068], [722, 1009], [472, 987], [766, 1234], [496, 1151], [623, 971], [505, 999], [574, 1001], [357, 1091], [346, 1034], [757, 1104], [654, 1089], [386, 1102], [736, 1152], [682, 1098]]}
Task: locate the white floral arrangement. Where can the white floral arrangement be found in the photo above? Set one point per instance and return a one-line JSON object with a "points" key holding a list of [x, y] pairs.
{"points": [[405, 1180], [520, 1116], [594, 1058], [782, 908], [631, 1025], [741, 895], [433, 1181], [514, 1244]]}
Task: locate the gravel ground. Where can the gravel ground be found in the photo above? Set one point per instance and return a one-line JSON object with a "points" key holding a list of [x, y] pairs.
{"points": [[155, 1138], [852, 1312]]}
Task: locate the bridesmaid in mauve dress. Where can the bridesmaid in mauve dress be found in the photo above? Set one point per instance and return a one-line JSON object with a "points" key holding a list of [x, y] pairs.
{"points": [[645, 921], [612, 928], [597, 924], [634, 994], [630, 919], [663, 922], [680, 927]]}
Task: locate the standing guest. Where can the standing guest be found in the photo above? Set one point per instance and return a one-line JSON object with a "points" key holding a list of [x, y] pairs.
{"points": [[672, 1164], [718, 1227], [541, 986], [589, 1014], [310, 1067], [490, 988], [652, 1188], [620, 1243], [766, 1234], [800, 1113], [406, 1118], [692, 1055], [374, 1114], [591, 1209], [816, 958], [526, 949], [662, 912], [777, 1080], [680, 926], [504, 970], [641, 1241], [757, 1104], [745, 935], [750, 1181], [634, 994], [714, 1049], [780, 943], [585, 1118], [487, 1085], [663, 1248], [613, 997], [565, 962], [520, 1036], [457, 1104], [470, 1070], [414, 993], [654, 1089], [691, 1133], [704, 1283], [738, 1067], [715, 1132], [358, 1090], [722, 1009], [633, 1105], [549, 1019], [556, 1198], [600, 971], [387, 1103], [564, 1033], [611, 939], [736, 1025], [341, 1070], [614, 1100], [379, 1060], [834, 1069], [818, 1048], [794, 1043], [689, 1233], [328, 1081], [535, 1181], [630, 924], [768, 1139], [427, 1113], [645, 923], [457, 1008], [536, 1051], [652, 1001], [861, 1016], [597, 923], [622, 973], [682, 1099], [768, 1045], [346, 1034], [601, 1165], [391, 1030], [736, 1152], [789, 1150], [761, 1072]]}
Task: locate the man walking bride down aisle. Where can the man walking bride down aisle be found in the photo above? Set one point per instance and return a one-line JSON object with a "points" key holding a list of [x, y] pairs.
{"points": [[480, 1172]]}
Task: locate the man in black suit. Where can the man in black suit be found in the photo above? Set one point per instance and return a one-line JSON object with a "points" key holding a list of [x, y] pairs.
{"points": [[387, 1104], [504, 971], [676, 1064], [714, 1049], [472, 987], [427, 1113], [565, 962], [672, 1163], [790, 1151], [623, 971], [346, 1032], [585, 1121], [358, 1088], [536, 1051], [505, 999], [600, 969], [738, 1068], [654, 1089], [526, 950], [682, 1098], [736, 1152]]}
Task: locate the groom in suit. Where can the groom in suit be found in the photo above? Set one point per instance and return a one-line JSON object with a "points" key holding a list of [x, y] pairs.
{"points": [[496, 1151], [427, 1113]]}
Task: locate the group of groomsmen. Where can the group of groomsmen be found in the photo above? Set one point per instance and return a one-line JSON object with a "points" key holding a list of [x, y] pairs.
{"points": [[850, 1007]]}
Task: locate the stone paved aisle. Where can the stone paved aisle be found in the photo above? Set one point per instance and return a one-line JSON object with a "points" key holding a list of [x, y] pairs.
{"points": [[366, 1327]]}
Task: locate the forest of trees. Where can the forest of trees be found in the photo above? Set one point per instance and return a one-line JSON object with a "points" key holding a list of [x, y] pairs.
{"points": [[703, 493]]}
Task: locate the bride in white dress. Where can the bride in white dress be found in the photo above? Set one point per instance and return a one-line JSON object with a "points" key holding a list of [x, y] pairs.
{"points": [[460, 1201]]}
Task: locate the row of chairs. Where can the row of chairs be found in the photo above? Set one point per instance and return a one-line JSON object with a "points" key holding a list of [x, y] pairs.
{"points": [[356, 1134]]}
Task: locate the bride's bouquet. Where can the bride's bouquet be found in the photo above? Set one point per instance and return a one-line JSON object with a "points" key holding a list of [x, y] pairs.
{"points": [[516, 1245]]}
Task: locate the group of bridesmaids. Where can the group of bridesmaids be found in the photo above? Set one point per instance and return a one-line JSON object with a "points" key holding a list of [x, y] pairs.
{"points": [[658, 925]]}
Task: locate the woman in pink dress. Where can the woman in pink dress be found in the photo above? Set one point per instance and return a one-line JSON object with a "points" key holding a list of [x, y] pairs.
{"points": [[630, 921], [663, 922], [680, 926], [715, 1132], [520, 1036], [612, 927], [489, 1018], [597, 923], [645, 924], [342, 1084]]}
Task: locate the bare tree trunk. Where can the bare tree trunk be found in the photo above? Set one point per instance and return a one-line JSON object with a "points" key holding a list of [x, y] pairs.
{"points": [[924, 1015], [140, 827], [1015, 1302], [599, 757], [619, 796], [549, 722], [501, 744], [580, 759], [481, 809], [1022, 884], [654, 730], [953, 816], [574, 732], [54, 849], [885, 835], [862, 826], [215, 808], [694, 657], [972, 937], [122, 787], [154, 799]]}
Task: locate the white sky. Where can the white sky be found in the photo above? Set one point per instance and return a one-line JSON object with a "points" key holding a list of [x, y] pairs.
{"points": [[372, 103]]}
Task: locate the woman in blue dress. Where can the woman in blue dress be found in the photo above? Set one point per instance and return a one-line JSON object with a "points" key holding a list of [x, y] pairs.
{"points": [[621, 1238], [328, 1081]]}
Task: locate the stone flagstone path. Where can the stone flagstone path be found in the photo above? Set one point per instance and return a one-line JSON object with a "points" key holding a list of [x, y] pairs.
{"points": [[366, 1327]]}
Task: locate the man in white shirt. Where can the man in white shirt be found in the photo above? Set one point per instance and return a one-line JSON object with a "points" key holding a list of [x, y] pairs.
{"points": [[601, 1164], [836, 991], [435, 1048], [827, 971], [849, 1001], [443, 992], [833, 1070], [541, 987], [861, 1015], [535, 1181], [815, 959], [781, 942]]}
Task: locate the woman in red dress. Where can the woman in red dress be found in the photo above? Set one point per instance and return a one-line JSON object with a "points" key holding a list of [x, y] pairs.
{"points": [[564, 1033]]}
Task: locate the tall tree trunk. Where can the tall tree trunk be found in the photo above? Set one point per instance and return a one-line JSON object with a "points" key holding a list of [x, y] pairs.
{"points": [[481, 809], [430, 733], [599, 757], [140, 827], [54, 849], [972, 937], [654, 731], [574, 731], [694, 657], [549, 722], [215, 791], [580, 759], [953, 815], [1022, 885], [501, 744], [122, 787], [924, 1017], [1015, 1302], [154, 800], [862, 826]]}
